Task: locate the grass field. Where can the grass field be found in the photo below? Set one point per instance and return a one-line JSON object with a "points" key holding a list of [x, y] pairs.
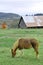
{"points": [[7, 39]]}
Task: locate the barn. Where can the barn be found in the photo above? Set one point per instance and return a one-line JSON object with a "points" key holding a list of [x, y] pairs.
{"points": [[31, 22]]}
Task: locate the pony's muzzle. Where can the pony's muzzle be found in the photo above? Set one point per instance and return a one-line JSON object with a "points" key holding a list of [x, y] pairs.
{"points": [[13, 53]]}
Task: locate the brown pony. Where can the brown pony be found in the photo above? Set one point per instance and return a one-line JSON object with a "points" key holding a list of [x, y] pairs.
{"points": [[25, 44]]}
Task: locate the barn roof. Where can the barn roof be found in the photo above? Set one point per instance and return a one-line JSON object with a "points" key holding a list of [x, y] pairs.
{"points": [[33, 21]]}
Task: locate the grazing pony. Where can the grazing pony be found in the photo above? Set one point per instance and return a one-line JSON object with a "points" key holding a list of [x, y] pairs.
{"points": [[25, 44]]}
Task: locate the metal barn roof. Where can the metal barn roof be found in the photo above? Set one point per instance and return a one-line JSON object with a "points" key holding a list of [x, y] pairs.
{"points": [[33, 21]]}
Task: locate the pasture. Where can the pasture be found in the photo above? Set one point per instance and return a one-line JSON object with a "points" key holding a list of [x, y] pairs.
{"points": [[7, 39]]}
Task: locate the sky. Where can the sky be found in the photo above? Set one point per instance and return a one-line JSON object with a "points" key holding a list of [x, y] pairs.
{"points": [[21, 7]]}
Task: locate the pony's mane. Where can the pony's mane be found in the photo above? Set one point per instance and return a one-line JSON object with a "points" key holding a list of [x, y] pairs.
{"points": [[15, 45]]}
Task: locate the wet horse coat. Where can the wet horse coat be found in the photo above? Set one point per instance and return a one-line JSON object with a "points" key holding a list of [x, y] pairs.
{"points": [[25, 44]]}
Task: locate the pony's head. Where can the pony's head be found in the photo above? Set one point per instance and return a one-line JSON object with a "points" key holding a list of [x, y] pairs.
{"points": [[13, 53]]}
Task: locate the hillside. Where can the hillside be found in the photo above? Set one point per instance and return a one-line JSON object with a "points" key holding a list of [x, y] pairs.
{"points": [[8, 16], [10, 19]]}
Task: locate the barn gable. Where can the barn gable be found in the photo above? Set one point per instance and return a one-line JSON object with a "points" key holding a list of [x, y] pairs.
{"points": [[21, 23]]}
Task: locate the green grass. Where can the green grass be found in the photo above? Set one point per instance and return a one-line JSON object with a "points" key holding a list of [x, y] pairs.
{"points": [[7, 39]]}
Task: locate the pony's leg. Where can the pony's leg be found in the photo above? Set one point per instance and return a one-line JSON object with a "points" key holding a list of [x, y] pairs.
{"points": [[37, 53], [22, 52], [19, 53]]}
